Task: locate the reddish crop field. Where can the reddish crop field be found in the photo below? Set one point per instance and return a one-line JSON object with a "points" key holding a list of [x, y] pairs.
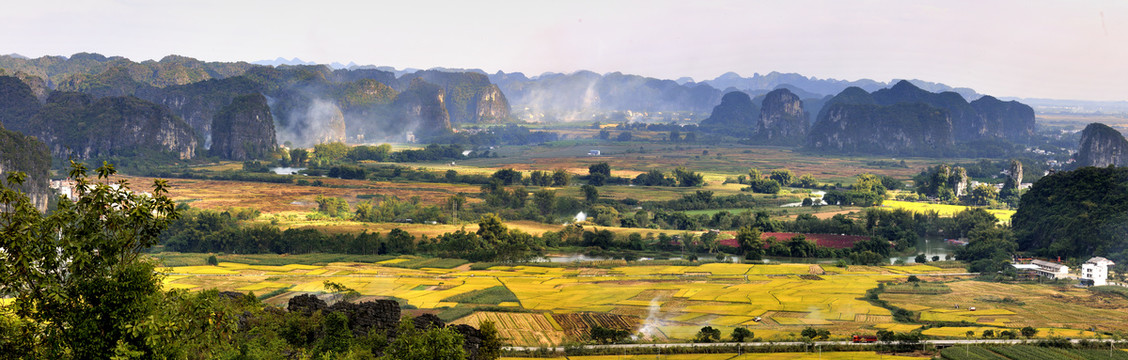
{"points": [[824, 240]]}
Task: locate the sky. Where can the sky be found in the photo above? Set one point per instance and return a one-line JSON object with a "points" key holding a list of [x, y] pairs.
{"points": [[1029, 48]]}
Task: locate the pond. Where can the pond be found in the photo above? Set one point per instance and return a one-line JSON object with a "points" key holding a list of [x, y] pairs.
{"points": [[815, 195], [930, 246], [286, 170]]}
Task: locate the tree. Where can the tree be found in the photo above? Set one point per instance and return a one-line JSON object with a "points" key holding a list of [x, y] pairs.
{"points": [[545, 201], [983, 195], [212, 260], [298, 157], [561, 177], [688, 178], [508, 176], [763, 186], [751, 245], [600, 168], [755, 174], [490, 349], [707, 334], [808, 181], [79, 284], [870, 183], [921, 259], [783, 176], [332, 206], [1029, 332], [400, 242], [741, 334], [607, 336], [591, 193], [330, 152], [886, 336], [809, 333], [987, 334], [438, 343]]}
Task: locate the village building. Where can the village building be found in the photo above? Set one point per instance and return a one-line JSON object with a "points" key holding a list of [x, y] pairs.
{"points": [[1051, 270], [1095, 271]]}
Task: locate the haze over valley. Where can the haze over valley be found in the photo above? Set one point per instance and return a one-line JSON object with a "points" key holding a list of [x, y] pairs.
{"points": [[573, 180]]}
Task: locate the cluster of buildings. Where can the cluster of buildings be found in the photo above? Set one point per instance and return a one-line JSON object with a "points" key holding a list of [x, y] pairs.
{"points": [[1094, 272]]}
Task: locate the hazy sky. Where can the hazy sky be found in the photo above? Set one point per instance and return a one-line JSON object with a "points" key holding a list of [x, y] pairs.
{"points": [[1028, 48]]}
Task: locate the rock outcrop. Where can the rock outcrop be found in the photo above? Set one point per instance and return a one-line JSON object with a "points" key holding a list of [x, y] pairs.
{"points": [[1102, 146], [866, 128], [782, 117], [197, 103], [1014, 172], [470, 98], [1004, 119], [421, 109], [72, 124], [244, 129], [17, 102], [19, 152], [966, 122], [736, 115]]}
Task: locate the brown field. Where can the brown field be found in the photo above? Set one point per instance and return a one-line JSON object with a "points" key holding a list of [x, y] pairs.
{"points": [[718, 162], [575, 325], [276, 198], [519, 329]]}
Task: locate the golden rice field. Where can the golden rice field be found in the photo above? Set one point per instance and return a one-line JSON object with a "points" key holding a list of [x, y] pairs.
{"points": [[681, 299], [1054, 309], [676, 301], [828, 355], [944, 209]]}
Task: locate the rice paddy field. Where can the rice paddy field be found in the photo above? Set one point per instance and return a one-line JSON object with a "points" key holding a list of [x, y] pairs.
{"points": [[944, 209], [554, 305], [829, 355], [1054, 310]]}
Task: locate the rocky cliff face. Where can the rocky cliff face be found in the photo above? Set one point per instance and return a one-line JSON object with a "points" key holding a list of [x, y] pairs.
{"points": [[966, 122], [469, 97], [1010, 119], [71, 124], [197, 103], [1102, 146], [736, 115], [19, 152], [490, 106], [244, 129], [17, 102], [1014, 172], [896, 129], [782, 117], [421, 109]]}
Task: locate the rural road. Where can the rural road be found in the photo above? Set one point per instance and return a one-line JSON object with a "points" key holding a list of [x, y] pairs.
{"points": [[943, 343]]}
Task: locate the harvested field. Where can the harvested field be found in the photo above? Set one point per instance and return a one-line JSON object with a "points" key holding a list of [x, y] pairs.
{"points": [[576, 325], [520, 329]]}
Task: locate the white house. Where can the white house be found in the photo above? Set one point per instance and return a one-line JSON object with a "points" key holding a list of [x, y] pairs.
{"points": [[1051, 270], [1095, 271], [593, 152]]}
